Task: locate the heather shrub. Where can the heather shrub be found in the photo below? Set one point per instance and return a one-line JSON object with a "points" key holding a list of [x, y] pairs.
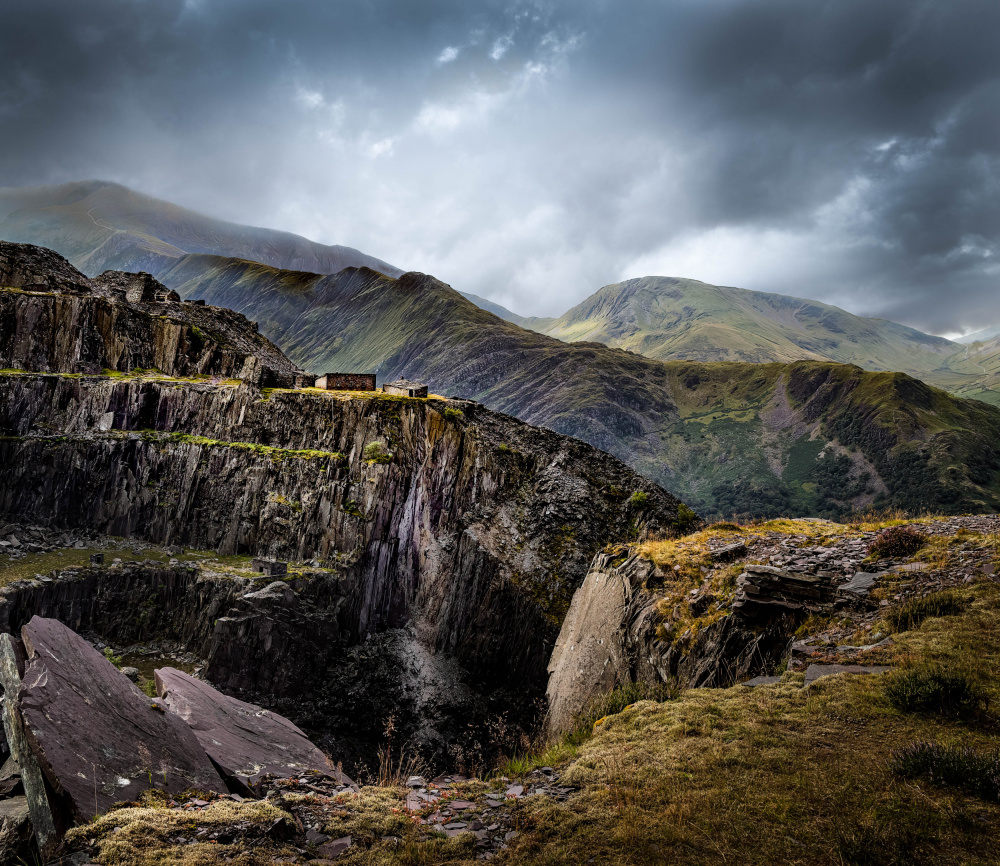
{"points": [[896, 541], [376, 452]]}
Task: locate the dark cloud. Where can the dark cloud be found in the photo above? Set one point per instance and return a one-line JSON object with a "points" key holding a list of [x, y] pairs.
{"points": [[843, 150]]}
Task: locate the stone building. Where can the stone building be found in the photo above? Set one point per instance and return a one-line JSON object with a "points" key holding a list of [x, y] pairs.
{"points": [[404, 388], [346, 382]]}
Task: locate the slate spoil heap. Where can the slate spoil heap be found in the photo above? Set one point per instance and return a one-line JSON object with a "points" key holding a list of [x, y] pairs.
{"points": [[62, 699]]}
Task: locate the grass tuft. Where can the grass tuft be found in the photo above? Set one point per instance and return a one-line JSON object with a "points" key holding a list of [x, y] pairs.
{"points": [[610, 704], [910, 615], [932, 689], [976, 773]]}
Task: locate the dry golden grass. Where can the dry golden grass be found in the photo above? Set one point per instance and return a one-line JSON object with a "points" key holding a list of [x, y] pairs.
{"points": [[142, 835], [780, 774]]}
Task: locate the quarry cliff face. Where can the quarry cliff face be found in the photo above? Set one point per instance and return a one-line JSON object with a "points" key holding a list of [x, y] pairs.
{"points": [[52, 318], [450, 538], [461, 528]]}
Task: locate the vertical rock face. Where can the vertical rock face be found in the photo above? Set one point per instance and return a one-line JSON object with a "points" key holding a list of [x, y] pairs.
{"points": [[47, 829], [457, 535], [52, 318], [96, 737], [474, 531], [589, 655]]}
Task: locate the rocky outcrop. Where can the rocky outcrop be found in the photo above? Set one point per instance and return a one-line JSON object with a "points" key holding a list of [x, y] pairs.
{"points": [[614, 634], [25, 266], [97, 739], [765, 585], [472, 513], [453, 536], [52, 318], [86, 738], [457, 550]]}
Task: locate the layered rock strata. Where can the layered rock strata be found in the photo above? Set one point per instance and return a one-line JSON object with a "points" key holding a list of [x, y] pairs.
{"points": [[52, 318]]}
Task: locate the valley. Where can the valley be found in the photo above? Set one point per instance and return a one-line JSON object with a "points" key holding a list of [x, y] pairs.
{"points": [[886, 440]]}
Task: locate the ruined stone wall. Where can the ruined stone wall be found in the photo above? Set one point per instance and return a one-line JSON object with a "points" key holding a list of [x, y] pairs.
{"points": [[347, 382]]}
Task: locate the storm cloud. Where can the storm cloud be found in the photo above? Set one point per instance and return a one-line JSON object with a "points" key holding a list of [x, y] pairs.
{"points": [[530, 152]]}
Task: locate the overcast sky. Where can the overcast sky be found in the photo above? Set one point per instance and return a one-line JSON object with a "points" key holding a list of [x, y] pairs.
{"points": [[531, 152]]}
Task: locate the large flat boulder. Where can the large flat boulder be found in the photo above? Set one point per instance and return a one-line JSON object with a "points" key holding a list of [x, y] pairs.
{"points": [[97, 738], [244, 741]]}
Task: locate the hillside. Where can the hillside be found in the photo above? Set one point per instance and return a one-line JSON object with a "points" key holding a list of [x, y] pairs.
{"points": [[803, 437], [100, 226], [972, 372], [672, 319]]}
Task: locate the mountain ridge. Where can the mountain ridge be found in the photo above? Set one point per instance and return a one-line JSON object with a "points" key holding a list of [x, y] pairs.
{"points": [[100, 225], [806, 436]]}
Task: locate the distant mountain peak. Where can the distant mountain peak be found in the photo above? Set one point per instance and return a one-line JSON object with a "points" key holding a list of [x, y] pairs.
{"points": [[100, 225]]}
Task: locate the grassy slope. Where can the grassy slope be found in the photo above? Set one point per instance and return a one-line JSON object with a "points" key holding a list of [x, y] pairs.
{"points": [[725, 437], [668, 318]]}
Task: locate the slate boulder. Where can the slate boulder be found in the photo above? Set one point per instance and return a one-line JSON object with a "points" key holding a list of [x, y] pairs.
{"points": [[96, 737], [244, 741]]}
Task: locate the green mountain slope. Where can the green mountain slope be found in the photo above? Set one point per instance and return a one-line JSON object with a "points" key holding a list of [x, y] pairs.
{"points": [[100, 226], [791, 436], [973, 372], [806, 437], [669, 318]]}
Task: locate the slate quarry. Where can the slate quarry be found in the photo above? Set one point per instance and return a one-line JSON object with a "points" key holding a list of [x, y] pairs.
{"points": [[425, 578]]}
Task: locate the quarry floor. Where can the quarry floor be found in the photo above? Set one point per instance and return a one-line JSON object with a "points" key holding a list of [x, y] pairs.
{"points": [[783, 772]]}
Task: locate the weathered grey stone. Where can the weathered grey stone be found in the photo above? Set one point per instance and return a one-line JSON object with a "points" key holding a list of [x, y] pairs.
{"points": [[243, 740], [96, 737], [15, 831], [48, 825], [587, 659], [859, 584], [816, 671], [729, 552]]}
